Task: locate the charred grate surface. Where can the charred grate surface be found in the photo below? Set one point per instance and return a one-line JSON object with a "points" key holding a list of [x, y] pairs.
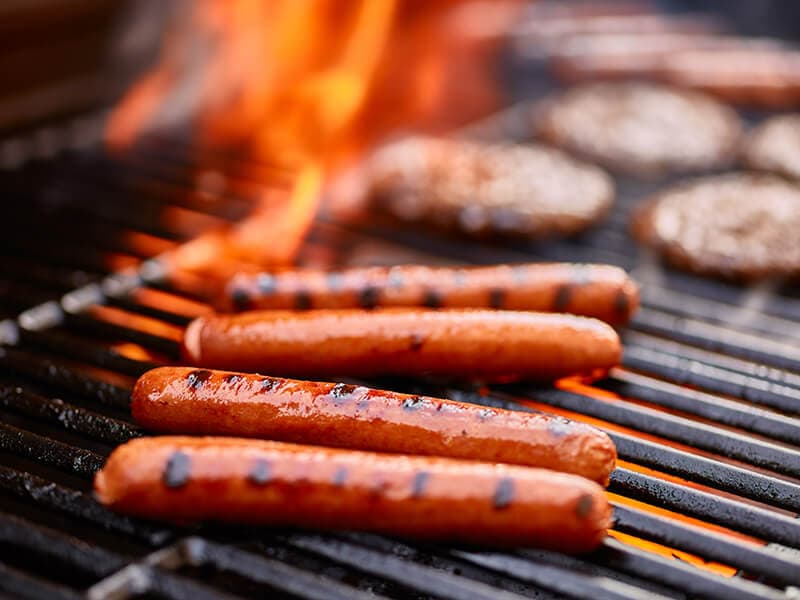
{"points": [[704, 409]]}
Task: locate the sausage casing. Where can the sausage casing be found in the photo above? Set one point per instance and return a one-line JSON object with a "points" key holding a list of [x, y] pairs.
{"points": [[192, 401], [474, 344], [271, 483], [601, 291]]}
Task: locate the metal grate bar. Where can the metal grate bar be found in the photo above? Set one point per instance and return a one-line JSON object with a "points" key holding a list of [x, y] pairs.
{"points": [[730, 478], [716, 338], [57, 374], [70, 417], [752, 520], [726, 443], [271, 572], [686, 578], [106, 330], [83, 463], [681, 369], [714, 408], [52, 496], [85, 558], [419, 577], [576, 585], [782, 569], [22, 586], [76, 347]]}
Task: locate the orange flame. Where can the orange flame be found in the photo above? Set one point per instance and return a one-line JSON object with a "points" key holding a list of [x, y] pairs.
{"points": [[305, 85]]}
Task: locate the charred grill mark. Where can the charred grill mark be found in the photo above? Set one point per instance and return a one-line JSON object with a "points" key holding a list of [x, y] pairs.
{"points": [[178, 470], [232, 378], [302, 300], [334, 281], [196, 379], [621, 303], [268, 384], [432, 299], [342, 390], [419, 484], [497, 298], [413, 403], [485, 414], [369, 297], [562, 298], [559, 426], [266, 284], [340, 477], [240, 298], [417, 341], [261, 472], [395, 279], [503, 493], [584, 506]]}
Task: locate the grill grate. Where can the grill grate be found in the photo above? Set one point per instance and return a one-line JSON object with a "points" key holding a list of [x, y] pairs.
{"points": [[703, 409]]}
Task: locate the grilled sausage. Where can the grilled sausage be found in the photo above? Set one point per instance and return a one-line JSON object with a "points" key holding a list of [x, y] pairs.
{"points": [[476, 344], [600, 291], [191, 401], [272, 483]]}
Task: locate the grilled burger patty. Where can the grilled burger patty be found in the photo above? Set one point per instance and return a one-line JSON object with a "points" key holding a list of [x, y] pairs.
{"points": [[641, 128], [775, 146], [481, 188], [739, 226]]}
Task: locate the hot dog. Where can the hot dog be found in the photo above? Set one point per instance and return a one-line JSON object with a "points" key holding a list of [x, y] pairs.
{"points": [[475, 344], [272, 483], [601, 291], [192, 401]]}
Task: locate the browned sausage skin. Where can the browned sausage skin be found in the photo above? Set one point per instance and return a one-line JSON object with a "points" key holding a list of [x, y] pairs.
{"points": [[473, 344], [601, 291], [271, 483], [192, 401]]}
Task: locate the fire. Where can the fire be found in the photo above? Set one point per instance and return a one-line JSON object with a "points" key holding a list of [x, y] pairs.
{"points": [[306, 86]]}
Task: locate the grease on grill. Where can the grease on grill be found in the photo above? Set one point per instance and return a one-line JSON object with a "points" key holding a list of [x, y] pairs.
{"points": [[178, 470]]}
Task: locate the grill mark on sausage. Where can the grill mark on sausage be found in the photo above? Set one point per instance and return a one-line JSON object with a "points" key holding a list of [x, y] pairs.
{"points": [[419, 484], [395, 279], [334, 281], [584, 506], [268, 384], [486, 414], [261, 472], [302, 300], [240, 298], [232, 378], [562, 297], [413, 403], [369, 297], [417, 341], [340, 477], [342, 390], [432, 299], [621, 303], [197, 378], [178, 470], [266, 284], [503, 493], [497, 298]]}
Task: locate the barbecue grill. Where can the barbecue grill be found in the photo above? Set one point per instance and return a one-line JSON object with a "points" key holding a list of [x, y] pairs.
{"points": [[704, 410]]}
